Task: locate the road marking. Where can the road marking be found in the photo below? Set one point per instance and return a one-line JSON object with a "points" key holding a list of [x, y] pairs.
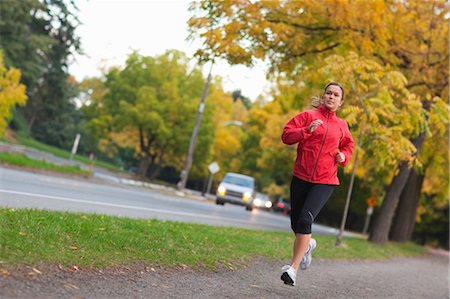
{"points": [[118, 205]]}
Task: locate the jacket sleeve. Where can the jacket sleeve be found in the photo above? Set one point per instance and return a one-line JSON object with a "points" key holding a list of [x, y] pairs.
{"points": [[296, 130], [346, 145]]}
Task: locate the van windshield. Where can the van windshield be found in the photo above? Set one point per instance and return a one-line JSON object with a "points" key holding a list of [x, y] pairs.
{"points": [[238, 181]]}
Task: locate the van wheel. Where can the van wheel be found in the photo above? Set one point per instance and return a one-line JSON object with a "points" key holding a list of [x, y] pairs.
{"points": [[218, 202], [249, 208]]}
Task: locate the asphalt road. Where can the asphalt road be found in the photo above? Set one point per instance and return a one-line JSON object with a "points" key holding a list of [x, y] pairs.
{"points": [[115, 196]]}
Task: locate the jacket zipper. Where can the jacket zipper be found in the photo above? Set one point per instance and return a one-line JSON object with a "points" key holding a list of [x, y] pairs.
{"points": [[321, 147]]}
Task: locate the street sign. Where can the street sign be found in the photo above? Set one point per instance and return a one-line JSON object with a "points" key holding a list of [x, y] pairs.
{"points": [[372, 201], [213, 167]]}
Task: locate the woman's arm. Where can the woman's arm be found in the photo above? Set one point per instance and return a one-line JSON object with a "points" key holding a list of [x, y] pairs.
{"points": [[296, 130], [346, 145]]}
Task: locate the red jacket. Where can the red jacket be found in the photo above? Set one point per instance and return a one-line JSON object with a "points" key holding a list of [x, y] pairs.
{"points": [[316, 151]]}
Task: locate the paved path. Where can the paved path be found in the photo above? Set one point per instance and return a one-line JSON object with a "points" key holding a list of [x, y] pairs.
{"points": [[403, 278]]}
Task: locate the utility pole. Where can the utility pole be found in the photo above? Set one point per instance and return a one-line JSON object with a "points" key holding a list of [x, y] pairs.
{"points": [[187, 165], [347, 201], [350, 187], [75, 146]]}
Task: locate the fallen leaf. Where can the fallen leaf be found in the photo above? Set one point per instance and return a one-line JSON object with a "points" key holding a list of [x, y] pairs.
{"points": [[71, 286], [4, 272], [74, 268], [37, 271], [73, 247]]}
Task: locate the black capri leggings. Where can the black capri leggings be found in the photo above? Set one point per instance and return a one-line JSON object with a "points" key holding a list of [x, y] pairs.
{"points": [[307, 199]]}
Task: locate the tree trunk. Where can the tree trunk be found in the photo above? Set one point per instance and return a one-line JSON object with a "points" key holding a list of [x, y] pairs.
{"points": [[31, 123], [156, 163], [382, 224], [406, 212], [379, 232], [143, 165], [153, 172], [145, 150]]}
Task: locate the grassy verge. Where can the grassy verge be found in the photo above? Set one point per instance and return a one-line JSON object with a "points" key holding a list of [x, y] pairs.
{"points": [[29, 142], [32, 236], [24, 161]]}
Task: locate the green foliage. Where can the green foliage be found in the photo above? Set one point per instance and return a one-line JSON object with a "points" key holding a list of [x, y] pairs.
{"points": [[432, 226], [150, 106], [25, 45], [38, 37], [237, 95]]}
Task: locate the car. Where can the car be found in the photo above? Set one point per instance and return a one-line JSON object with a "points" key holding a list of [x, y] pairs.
{"points": [[261, 201], [236, 188], [283, 206]]}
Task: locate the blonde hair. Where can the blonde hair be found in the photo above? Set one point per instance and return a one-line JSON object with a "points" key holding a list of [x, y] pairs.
{"points": [[315, 102]]}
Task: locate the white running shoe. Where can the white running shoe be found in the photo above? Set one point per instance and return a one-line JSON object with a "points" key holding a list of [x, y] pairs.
{"points": [[289, 275], [307, 258]]}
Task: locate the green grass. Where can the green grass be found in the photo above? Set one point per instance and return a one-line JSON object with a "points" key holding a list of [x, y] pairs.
{"points": [[355, 248], [23, 161], [29, 142], [33, 236]]}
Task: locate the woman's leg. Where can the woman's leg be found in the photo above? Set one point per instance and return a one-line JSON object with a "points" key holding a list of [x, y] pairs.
{"points": [[301, 244], [313, 198], [299, 192]]}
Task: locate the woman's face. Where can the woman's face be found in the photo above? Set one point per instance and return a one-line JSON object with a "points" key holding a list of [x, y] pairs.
{"points": [[332, 98]]}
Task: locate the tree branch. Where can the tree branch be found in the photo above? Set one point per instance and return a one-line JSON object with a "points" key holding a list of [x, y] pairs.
{"points": [[317, 50], [415, 84]]}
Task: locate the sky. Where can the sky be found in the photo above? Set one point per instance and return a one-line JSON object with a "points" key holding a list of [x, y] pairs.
{"points": [[112, 29]]}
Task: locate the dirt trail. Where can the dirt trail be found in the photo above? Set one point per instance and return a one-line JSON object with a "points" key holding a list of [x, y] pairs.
{"points": [[422, 277]]}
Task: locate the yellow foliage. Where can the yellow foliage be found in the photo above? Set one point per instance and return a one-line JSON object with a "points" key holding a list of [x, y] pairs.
{"points": [[275, 190], [391, 56], [12, 93], [227, 140]]}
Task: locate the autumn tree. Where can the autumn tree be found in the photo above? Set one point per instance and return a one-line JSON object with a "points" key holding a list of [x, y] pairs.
{"points": [[38, 37], [12, 93], [237, 95], [410, 37], [227, 113], [149, 106], [428, 176]]}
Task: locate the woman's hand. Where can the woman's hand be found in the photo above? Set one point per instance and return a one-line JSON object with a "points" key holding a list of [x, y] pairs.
{"points": [[340, 157], [314, 124]]}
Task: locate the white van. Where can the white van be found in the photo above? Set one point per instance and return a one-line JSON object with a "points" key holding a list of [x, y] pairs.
{"points": [[237, 189]]}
